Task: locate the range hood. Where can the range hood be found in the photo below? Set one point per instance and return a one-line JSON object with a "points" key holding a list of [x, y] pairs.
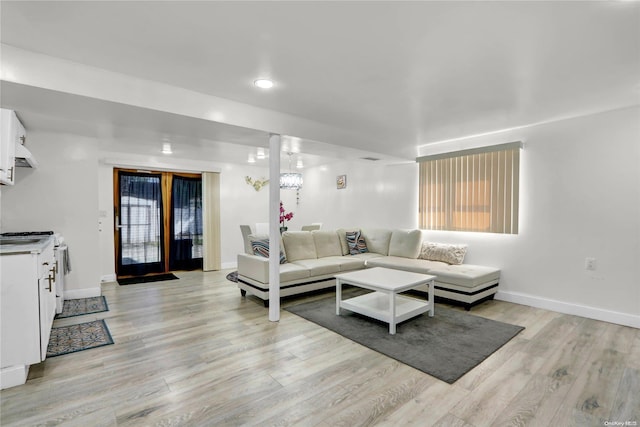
{"points": [[24, 158]]}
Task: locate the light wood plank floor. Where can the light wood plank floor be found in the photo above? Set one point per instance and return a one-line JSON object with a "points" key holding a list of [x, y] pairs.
{"points": [[192, 352]]}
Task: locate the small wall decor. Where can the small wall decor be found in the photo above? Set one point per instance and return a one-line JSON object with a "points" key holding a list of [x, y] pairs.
{"points": [[341, 182], [257, 184]]}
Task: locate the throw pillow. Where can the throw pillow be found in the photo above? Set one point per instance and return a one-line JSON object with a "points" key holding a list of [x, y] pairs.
{"points": [[343, 239], [261, 248], [451, 254], [356, 242]]}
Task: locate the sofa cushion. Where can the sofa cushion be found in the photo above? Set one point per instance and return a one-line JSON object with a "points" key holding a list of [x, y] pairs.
{"points": [[451, 254], [405, 243], [356, 243], [367, 255], [261, 248], [342, 235], [377, 240], [348, 262], [290, 272], [327, 243], [406, 264], [466, 275], [318, 267], [299, 245]]}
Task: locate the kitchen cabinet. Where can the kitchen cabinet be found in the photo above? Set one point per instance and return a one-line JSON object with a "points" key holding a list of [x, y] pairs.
{"points": [[28, 302], [9, 136]]}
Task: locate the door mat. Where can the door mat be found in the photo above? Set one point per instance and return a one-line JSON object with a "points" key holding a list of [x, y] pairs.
{"points": [[74, 338], [147, 279], [80, 306], [446, 346]]}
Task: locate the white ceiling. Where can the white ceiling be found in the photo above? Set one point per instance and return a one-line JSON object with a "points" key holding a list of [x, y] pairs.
{"points": [[396, 75]]}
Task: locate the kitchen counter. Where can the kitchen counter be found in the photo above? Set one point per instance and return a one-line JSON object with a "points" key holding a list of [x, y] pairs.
{"points": [[24, 244]]}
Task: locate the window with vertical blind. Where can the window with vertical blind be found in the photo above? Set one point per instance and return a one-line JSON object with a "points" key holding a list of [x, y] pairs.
{"points": [[471, 190]]}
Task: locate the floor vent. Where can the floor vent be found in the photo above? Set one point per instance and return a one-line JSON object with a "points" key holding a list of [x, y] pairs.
{"points": [[373, 159]]}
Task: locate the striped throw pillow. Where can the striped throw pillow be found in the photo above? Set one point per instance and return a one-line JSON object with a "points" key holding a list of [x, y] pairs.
{"points": [[261, 248], [356, 242]]}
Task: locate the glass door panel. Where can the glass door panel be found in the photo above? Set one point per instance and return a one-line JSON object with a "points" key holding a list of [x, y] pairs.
{"points": [[186, 225], [139, 221]]}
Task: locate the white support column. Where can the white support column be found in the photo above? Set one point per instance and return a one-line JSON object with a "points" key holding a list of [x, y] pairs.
{"points": [[274, 228]]}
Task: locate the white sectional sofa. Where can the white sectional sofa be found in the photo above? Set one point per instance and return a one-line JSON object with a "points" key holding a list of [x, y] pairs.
{"points": [[313, 258]]}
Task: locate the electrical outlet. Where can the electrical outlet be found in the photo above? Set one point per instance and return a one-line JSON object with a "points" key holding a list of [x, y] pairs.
{"points": [[590, 263]]}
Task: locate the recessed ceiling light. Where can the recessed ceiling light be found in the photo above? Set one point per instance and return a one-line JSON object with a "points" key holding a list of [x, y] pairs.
{"points": [[166, 148], [263, 83]]}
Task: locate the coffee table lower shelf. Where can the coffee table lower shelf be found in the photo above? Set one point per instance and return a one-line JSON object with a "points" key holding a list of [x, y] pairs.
{"points": [[377, 306]]}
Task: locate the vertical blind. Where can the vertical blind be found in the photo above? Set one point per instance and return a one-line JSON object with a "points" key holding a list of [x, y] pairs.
{"points": [[471, 190]]}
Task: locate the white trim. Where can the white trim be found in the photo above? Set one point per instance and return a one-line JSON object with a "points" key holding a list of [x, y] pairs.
{"points": [[226, 265], [12, 376], [175, 165], [108, 278], [82, 293], [616, 317]]}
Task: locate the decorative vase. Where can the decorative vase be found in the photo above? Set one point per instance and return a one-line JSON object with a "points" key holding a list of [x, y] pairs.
{"points": [[283, 229]]}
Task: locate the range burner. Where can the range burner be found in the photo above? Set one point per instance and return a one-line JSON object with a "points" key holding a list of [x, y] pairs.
{"points": [[26, 233]]}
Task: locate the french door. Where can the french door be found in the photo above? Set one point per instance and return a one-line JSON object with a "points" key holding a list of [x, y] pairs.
{"points": [[158, 218]]}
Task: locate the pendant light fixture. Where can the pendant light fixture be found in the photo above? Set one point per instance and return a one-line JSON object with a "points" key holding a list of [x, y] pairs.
{"points": [[290, 180]]}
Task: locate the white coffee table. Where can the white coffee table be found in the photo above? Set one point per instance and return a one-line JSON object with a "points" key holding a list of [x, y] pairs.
{"points": [[385, 304]]}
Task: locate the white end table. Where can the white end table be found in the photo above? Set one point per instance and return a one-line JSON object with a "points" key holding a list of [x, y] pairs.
{"points": [[384, 303]]}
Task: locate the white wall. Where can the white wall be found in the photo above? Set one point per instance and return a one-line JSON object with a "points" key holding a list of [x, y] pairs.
{"points": [[580, 197], [376, 196], [61, 196]]}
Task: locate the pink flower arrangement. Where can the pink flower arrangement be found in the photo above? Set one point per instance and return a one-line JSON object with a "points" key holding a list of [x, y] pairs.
{"points": [[284, 216]]}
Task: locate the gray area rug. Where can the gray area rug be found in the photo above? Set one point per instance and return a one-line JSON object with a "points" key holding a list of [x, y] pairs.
{"points": [[446, 346]]}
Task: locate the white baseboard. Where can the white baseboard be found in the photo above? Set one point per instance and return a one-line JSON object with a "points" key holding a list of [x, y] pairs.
{"points": [[108, 278], [13, 376], [226, 265], [616, 317], [82, 293]]}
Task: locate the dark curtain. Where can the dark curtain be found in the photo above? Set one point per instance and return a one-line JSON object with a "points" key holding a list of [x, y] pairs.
{"points": [[186, 228], [141, 231]]}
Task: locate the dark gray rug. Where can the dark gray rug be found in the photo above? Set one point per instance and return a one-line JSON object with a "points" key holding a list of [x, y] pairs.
{"points": [[446, 346]]}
